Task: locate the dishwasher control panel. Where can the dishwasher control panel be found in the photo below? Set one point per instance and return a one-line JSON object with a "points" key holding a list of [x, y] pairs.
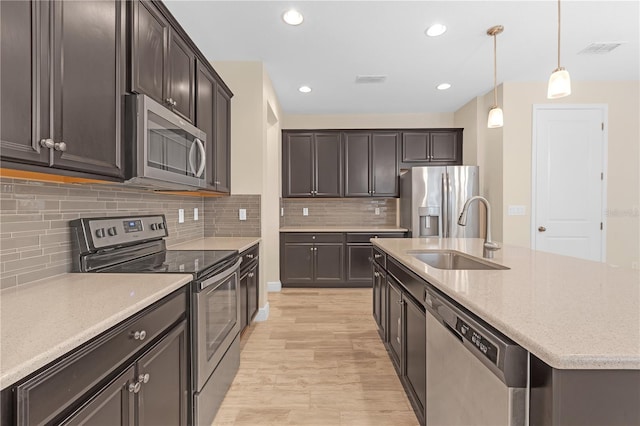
{"points": [[485, 347]]}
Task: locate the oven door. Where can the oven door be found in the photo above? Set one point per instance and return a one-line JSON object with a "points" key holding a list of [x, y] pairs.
{"points": [[217, 320], [170, 149]]}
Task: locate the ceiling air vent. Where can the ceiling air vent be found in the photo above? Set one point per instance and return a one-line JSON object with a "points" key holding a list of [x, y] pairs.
{"points": [[599, 48], [367, 79]]}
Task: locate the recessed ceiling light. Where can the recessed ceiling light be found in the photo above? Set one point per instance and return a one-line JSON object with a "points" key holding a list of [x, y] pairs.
{"points": [[436, 30], [304, 89], [443, 86], [293, 17]]}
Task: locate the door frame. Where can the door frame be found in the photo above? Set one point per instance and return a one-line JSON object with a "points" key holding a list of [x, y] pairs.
{"points": [[604, 108]]}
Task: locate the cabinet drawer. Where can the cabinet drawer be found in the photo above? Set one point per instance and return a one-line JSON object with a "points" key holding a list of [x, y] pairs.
{"points": [[379, 257], [50, 393], [313, 238], [364, 238], [249, 256]]}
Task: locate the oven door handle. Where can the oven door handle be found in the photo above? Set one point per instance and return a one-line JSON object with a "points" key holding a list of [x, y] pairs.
{"points": [[220, 277]]}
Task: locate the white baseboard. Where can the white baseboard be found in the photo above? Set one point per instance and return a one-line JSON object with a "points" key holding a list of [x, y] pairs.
{"points": [[263, 313], [274, 286]]}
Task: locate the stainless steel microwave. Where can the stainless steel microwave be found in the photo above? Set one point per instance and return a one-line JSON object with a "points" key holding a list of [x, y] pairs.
{"points": [[164, 151]]}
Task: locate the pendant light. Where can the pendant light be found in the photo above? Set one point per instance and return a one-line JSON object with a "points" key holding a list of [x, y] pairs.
{"points": [[559, 82], [496, 118]]}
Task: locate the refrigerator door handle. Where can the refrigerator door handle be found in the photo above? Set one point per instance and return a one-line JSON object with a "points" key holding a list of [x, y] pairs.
{"points": [[445, 205]]}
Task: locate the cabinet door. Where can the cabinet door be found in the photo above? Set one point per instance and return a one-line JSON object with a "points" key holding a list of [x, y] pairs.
{"points": [[394, 324], [384, 306], [88, 69], [181, 63], [23, 87], [328, 165], [415, 345], [297, 161], [205, 98], [443, 147], [222, 125], [244, 284], [415, 147], [162, 399], [252, 293], [148, 53], [357, 164], [377, 288], [329, 263], [298, 263], [384, 165], [113, 405], [359, 262]]}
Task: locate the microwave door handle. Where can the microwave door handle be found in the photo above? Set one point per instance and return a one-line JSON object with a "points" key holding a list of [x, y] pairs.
{"points": [[203, 156], [193, 167]]}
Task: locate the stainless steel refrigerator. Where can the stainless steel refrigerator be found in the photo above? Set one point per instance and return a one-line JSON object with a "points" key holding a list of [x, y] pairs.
{"points": [[431, 199]]}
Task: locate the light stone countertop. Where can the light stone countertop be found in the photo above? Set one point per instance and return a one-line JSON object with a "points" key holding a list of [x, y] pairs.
{"points": [[570, 313], [371, 229], [44, 320], [217, 243]]}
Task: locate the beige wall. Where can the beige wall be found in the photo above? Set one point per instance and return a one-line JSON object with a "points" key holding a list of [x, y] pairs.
{"points": [[367, 121], [255, 153], [504, 156]]}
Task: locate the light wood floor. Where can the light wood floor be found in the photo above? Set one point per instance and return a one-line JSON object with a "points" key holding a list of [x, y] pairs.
{"points": [[318, 360]]}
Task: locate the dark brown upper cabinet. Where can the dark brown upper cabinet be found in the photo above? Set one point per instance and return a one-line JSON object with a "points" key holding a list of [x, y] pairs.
{"points": [[213, 103], [371, 164], [62, 84], [311, 164], [162, 63], [432, 147]]}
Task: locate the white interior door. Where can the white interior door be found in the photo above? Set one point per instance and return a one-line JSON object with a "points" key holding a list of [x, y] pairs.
{"points": [[569, 161]]}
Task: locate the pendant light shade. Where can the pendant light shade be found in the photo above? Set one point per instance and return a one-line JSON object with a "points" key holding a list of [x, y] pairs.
{"points": [[496, 118], [559, 82]]}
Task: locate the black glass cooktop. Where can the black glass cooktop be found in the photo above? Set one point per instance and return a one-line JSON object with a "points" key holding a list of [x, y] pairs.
{"points": [[196, 262]]}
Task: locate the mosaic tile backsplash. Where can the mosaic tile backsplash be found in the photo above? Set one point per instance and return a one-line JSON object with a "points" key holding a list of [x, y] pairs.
{"points": [[34, 218], [339, 212], [227, 223]]}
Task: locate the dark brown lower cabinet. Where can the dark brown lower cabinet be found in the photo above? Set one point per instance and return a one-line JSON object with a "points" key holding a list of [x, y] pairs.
{"points": [[415, 332], [395, 313], [249, 274], [380, 300]]}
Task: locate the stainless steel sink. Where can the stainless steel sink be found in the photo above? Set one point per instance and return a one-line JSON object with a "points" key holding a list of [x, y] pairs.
{"points": [[449, 259]]}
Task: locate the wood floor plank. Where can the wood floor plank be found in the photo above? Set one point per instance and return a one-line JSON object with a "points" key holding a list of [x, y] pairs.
{"points": [[318, 360]]}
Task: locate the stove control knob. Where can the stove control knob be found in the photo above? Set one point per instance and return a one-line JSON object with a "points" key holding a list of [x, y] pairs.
{"points": [[154, 226], [113, 231], [100, 232]]}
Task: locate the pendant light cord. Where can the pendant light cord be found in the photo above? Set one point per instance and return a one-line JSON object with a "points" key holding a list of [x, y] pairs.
{"points": [[495, 71], [558, 34]]}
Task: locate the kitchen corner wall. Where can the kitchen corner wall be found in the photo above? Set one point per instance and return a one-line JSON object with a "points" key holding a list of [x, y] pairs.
{"points": [[227, 223], [339, 212]]}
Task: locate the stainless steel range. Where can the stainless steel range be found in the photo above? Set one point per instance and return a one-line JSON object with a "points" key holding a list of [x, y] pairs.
{"points": [[135, 244]]}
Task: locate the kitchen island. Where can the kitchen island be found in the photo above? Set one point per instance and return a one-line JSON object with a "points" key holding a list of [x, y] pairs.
{"points": [[579, 320]]}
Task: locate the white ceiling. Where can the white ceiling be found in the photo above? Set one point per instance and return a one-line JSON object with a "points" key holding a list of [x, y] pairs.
{"points": [[341, 39]]}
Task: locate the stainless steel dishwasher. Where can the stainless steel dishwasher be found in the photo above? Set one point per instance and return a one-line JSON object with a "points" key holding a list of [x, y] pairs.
{"points": [[475, 375]]}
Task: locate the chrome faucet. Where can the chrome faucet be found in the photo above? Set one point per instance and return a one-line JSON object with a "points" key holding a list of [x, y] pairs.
{"points": [[489, 246]]}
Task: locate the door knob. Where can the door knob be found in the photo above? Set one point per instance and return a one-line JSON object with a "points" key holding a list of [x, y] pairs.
{"points": [[541, 229]]}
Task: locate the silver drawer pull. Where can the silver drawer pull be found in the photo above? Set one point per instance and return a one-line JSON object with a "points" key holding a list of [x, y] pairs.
{"points": [[139, 335], [377, 256], [144, 378], [134, 387], [60, 146], [250, 256], [46, 143]]}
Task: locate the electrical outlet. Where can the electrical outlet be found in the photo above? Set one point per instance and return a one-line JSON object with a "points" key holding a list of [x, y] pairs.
{"points": [[195, 213], [282, 211], [180, 215], [516, 210], [305, 211], [242, 214], [377, 211]]}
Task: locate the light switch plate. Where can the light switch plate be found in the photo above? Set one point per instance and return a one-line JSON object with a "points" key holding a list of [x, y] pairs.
{"points": [[242, 214], [195, 213], [517, 210], [305, 211], [377, 211], [180, 215]]}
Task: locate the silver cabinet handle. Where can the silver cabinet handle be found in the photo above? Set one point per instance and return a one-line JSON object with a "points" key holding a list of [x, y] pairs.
{"points": [[169, 101], [203, 155], [313, 237], [376, 274], [47, 143], [60, 146], [377, 256], [217, 182], [134, 387], [250, 256], [174, 103], [144, 378], [251, 274], [139, 335]]}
